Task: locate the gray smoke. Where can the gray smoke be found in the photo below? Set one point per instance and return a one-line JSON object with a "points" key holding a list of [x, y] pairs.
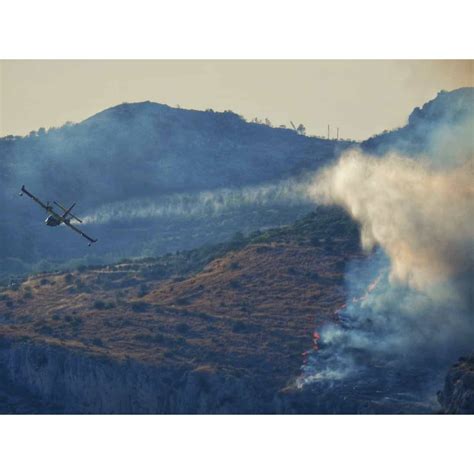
{"points": [[421, 217], [409, 311]]}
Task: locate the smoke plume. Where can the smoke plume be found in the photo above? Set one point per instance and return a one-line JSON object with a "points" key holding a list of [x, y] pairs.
{"points": [[422, 218], [409, 311]]}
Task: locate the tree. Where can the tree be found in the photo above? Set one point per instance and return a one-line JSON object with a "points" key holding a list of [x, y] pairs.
{"points": [[301, 129]]}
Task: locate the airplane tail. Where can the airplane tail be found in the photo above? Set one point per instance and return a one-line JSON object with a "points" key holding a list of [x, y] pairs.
{"points": [[67, 212]]}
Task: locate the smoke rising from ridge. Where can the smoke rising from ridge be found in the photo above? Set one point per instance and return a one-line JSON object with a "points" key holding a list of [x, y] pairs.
{"points": [[421, 217], [409, 311]]}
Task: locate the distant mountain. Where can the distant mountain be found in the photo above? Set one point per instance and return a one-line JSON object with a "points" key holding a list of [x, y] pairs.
{"points": [[143, 149]]}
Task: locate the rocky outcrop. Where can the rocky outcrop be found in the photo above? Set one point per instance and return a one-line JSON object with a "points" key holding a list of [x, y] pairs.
{"points": [[457, 396]]}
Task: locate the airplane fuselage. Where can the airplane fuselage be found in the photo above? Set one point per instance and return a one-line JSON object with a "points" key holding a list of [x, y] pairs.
{"points": [[52, 221]]}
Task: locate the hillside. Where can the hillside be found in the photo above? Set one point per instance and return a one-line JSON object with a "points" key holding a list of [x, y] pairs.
{"points": [[153, 179], [232, 318], [203, 294], [143, 154]]}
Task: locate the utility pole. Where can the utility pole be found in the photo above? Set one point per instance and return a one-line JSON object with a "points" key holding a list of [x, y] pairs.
{"points": [[337, 133], [328, 132]]}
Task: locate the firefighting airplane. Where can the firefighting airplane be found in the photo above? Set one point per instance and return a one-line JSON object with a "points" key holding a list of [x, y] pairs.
{"points": [[54, 219]]}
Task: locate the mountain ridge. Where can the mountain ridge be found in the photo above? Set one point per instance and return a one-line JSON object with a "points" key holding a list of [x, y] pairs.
{"points": [[446, 109], [146, 150]]}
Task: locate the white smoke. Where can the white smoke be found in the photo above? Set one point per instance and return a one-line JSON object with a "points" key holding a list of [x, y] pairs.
{"points": [[199, 204], [410, 301], [422, 218]]}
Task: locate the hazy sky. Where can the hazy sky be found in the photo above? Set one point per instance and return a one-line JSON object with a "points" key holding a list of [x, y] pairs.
{"points": [[360, 97]]}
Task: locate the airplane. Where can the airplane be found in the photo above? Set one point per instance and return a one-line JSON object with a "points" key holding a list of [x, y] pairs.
{"points": [[54, 219]]}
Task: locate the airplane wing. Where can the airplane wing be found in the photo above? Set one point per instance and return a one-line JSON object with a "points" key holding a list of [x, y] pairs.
{"points": [[44, 206], [90, 239]]}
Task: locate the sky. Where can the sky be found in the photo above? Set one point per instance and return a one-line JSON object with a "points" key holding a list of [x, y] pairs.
{"points": [[361, 98]]}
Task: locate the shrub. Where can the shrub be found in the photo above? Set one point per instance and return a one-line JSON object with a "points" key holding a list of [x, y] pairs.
{"points": [[182, 328], [75, 321], [202, 315], [99, 304], [139, 306], [239, 326], [68, 278], [97, 341], [313, 276], [235, 284], [183, 301], [149, 338], [45, 330]]}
